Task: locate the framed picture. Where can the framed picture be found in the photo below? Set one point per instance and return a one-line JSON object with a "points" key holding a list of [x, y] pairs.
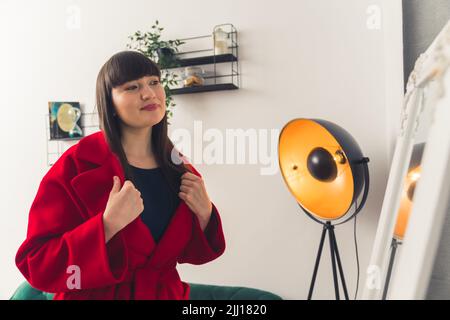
{"points": [[417, 193], [65, 120]]}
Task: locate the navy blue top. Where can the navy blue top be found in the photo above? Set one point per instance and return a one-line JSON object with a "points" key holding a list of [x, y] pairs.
{"points": [[160, 202]]}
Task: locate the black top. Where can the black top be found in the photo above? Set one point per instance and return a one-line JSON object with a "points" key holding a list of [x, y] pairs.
{"points": [[160, 202]]}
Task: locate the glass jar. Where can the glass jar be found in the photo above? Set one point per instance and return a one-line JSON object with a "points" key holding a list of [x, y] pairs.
{"points": [[221, 45], [193, 76]]}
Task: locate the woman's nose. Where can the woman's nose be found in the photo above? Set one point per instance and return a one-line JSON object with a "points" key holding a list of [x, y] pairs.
{"points": [[147, 92]]}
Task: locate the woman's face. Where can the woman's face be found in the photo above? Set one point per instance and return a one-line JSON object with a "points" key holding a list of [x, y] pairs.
{"points": [[130, 98]]}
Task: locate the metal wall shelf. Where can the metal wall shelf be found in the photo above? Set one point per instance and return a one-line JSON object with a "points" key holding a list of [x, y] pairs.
{"points": [[214, 87], [206, 60], [216, 80]]}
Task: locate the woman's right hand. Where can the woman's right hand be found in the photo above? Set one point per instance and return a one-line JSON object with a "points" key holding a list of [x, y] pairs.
{"points": [[124, 205]]}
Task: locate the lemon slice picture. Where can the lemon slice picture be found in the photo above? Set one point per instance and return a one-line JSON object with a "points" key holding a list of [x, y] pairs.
{"points": [[67, 117]]}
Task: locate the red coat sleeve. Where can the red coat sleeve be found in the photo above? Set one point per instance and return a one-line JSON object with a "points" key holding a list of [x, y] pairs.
{"points": [[59, 237], [206, 245]]}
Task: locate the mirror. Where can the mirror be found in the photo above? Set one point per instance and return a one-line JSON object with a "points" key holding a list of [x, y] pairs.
{"points": [[416, 197]]}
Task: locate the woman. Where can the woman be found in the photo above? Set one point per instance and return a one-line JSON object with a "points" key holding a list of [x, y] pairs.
{"points": [[114, 215]]}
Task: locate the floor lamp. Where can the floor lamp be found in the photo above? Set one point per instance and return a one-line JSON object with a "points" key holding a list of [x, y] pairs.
{"points": [[324, 169]]}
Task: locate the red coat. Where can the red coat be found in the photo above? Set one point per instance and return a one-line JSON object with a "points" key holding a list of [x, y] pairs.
{"points": [[65, 228]]}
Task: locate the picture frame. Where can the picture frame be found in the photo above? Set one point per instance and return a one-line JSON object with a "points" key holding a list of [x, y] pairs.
{"points": [[427, 100], [64, 120]]}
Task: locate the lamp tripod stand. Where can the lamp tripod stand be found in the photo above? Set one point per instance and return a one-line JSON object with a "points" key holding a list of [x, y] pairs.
{"points": [[335, 259], [394, 245]]}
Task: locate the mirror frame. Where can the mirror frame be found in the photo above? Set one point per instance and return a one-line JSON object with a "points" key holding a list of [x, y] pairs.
{"points": [[414, 266]]}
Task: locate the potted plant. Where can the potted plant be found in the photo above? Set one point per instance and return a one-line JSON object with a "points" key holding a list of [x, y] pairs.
{"points": [[162, 53]]}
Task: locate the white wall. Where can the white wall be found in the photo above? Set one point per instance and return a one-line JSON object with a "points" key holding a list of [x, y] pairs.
{"points": [[309, 58]]}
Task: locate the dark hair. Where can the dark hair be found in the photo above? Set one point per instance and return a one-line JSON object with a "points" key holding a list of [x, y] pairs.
{"points": [[120, 68]]}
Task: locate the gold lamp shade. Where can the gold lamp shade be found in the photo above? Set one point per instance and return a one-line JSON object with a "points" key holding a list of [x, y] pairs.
{"points": [[317, 160], [406, 203]]}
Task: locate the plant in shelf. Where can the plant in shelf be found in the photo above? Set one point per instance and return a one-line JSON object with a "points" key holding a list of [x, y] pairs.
{"points": [[162, 53]]}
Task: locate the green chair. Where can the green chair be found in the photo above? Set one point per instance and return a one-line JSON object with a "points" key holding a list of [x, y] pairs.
{"points": [[198, 292]]}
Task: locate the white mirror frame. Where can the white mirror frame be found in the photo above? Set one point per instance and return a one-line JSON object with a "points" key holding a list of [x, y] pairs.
{"points": [[414, 266]]}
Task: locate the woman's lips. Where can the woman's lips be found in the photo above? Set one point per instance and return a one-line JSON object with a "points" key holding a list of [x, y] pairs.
{"points": [[150, 107]]}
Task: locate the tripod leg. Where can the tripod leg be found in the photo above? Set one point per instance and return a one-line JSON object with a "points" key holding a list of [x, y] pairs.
{"points": [[316, 267], [338, 258], [333, 261], [391, 263]]}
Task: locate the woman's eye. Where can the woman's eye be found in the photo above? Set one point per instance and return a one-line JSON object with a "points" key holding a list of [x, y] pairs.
{"points": [[154, 82], [131, 88]]}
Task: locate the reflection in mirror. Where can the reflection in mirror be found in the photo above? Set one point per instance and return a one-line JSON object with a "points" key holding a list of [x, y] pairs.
{"points": [[422, 126], [406, 200]]}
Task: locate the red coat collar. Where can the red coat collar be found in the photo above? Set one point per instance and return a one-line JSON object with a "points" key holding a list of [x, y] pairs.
{"points": [[94, 148]]}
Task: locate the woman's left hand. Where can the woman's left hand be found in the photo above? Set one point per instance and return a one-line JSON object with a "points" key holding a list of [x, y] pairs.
{"points": [[193, 192]]}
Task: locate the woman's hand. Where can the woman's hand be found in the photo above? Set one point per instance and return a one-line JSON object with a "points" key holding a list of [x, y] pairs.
{"points": [[193, 192], [124, 205]]}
